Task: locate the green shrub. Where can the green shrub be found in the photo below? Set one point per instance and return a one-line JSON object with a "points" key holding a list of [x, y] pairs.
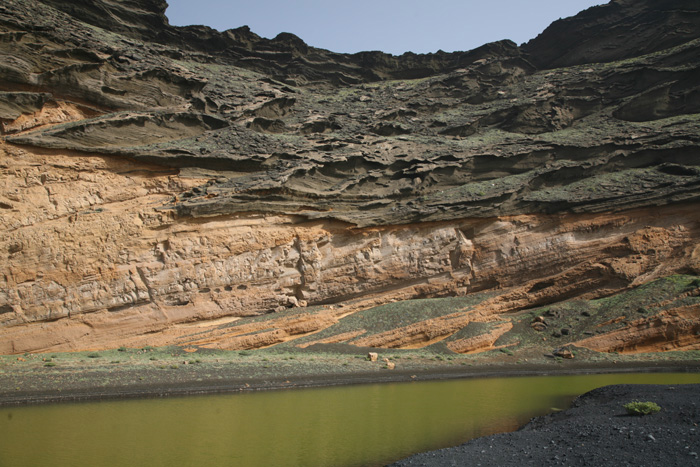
{"points": [[50, 364], [641, 408], [121, 349], [93, 355]]}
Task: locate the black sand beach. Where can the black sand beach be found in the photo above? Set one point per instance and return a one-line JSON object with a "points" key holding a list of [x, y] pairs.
{"points": [[595, 431]]}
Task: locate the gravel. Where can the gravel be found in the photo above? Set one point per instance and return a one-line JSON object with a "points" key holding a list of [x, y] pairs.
{"points": [[595, 431]]}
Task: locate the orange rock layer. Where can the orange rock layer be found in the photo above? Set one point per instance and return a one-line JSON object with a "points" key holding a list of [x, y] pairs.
{"points": [[92, 260], [675, 329]]}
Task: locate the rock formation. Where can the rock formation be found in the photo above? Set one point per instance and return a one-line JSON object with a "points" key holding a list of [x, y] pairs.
{"points": [[179, 185]]}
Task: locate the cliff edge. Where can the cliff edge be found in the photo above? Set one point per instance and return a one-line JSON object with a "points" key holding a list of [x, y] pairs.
{"points": [[179, 185]]}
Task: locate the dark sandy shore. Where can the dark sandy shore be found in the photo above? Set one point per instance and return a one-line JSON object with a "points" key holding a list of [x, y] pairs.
{"points": [[595, 431]]}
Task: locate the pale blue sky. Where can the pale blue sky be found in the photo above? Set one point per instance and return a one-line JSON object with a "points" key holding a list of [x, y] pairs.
{"points": [[393, 26]]}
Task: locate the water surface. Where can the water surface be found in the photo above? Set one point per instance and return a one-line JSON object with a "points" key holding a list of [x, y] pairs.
{"points": [[338, 426]]}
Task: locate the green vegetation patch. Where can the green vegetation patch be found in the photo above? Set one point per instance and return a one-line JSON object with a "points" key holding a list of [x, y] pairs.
{"points": [[575, 320], [396, 315], [643, 298], [473, 329], [484, 189], [642, 408], [618, 184]]}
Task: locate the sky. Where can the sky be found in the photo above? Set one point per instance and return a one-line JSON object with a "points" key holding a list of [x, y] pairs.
{"points": [[393, 26]]}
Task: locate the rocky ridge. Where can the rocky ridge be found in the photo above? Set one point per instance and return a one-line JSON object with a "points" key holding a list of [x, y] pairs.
{"points": [[164, 185]]}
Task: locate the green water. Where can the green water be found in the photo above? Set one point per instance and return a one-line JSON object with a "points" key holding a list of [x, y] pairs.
{"points": [[338, 426]]}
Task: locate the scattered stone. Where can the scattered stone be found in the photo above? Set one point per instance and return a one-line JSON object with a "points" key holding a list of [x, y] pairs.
{"points": [[539, 324], [563, 352]]}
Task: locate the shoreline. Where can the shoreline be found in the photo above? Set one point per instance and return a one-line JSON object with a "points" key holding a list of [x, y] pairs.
{"points": [[246, 383], [595, 430]]}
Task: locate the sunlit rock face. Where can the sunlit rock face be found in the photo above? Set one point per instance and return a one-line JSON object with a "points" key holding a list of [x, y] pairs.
{"points": [[161, 185]]}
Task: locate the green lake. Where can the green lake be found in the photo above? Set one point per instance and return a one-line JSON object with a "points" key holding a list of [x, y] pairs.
{"points": [[359, 425]]}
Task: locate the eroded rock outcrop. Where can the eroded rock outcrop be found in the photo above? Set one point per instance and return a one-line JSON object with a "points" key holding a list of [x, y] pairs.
{"points": [[158, 183]]}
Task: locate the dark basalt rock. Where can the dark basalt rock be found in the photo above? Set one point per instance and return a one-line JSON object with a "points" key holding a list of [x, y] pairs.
{"points": [[598, 113], [140, 18], [14, 104], [596, 430], [618, 30]]}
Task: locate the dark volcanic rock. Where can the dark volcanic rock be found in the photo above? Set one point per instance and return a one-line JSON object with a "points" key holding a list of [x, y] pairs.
{"points": [[140, 18], [381, 139], [595, 431], [594, 35], [154, 176]]}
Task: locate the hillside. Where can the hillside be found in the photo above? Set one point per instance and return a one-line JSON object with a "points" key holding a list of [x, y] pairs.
{"points": [[166, 185]]}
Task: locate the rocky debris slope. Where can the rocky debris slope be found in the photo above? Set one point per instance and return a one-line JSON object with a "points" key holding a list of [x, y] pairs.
{"points": [[596, 430], [155, 176]]}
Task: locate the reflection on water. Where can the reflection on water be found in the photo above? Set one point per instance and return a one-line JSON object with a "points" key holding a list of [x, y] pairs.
{"points": [[338, 426]]}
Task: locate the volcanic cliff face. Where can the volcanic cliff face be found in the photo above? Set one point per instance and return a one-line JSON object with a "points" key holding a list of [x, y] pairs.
{"points": [[164, 185]]}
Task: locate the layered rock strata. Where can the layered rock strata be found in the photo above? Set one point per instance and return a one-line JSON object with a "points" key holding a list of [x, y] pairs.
{"points": [[159, 183]]}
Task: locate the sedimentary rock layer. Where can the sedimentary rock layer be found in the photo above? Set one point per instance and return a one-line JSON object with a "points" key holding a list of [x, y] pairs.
{"points": [[157, 183], [88, 250]]}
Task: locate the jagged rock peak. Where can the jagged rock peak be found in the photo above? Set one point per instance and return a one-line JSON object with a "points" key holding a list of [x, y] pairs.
{"points": [[615, 31], [144, 18]]}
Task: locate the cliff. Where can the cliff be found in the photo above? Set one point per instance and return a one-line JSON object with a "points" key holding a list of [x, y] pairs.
{"points": [[163, 185]]}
